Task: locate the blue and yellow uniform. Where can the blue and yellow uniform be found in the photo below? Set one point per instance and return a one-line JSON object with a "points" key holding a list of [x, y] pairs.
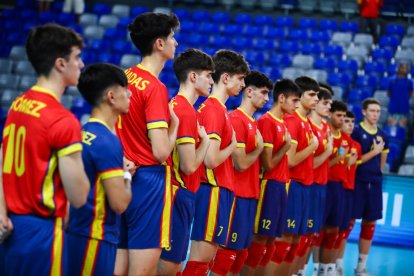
{"points": [[93, 229], [368, 178], [38, 131]]}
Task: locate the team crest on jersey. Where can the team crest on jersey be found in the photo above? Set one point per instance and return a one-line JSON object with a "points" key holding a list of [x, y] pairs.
{"points": [[302, 124], [227, 117], [278, 129], [250, 126], [364, 136]]}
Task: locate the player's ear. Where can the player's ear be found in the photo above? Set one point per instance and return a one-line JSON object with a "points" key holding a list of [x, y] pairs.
{"points": [[192, 76], [59, 64], [110, 96], [225, 78]]}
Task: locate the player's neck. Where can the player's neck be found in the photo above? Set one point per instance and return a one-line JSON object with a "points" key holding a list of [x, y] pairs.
{"points": [[315, 118], [369, 126], [277, 111], [55, 85], [154, 63], [247, 107], [189, 93], [106, 115], [219, 91], [335, 131], [302, 111]]}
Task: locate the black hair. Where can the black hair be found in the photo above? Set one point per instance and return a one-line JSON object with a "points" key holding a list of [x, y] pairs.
{"points": [[148, 27], [97, 78], [327, 87], [338, 106], [49, 42], [286, 87], [350, 114], [258, 80], [191, 60], [306, 84], [230, 62], [368, 101], [324, 94]]}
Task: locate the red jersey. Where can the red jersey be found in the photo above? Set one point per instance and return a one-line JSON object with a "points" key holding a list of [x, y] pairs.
{"points": [[273, 131], [148, 109], [246, 182], [339, 171], [320, 174], [370, 8], [355, 147], [301, 132], [214, 117], [187, 133], [38, 131]]}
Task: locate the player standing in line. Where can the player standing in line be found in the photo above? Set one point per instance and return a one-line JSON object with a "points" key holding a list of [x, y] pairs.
{"points": [[148, 134], [246, 171], [347, 222], [214, 199], [337, 179], [368, 179], [322, 131], [270, 217], [42, 158], [300, 162], [93, 229], [193, 70]]}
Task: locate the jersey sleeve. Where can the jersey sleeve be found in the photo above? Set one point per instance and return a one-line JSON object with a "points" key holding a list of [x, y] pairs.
{"points": [[239, 129], [293, 129], [65, 136], [156, 108], [187, 129], [213, 122], [267, 131], [386, 144], [107, 157]]}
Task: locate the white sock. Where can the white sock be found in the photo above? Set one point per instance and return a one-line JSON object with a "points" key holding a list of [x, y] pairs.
{"points": [[304, 268], [301, 272], [362, 262], [330, 269], [339, 263], [322, 269], [315, 266]]}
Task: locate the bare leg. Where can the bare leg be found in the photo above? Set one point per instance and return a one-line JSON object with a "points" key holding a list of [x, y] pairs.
{"points": [[143, 261], [121, 262]]}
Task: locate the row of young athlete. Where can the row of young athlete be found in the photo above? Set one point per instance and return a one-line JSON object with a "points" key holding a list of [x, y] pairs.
{"points": [[200, 168]]}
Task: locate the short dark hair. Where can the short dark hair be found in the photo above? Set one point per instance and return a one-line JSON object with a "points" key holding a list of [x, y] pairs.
{"points": [[258, 79], [307, 83], [368, 101], [338, 106], [327, 87], [191, 60], [46, 43], [286, 87], [350, 114], [228, 61], [148, 27], [324, 94], [97, 78]]}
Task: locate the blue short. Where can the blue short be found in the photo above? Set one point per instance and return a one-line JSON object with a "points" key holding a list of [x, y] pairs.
{"points": [[182, 217], [316, 208], [367, 200], [35, 247], [242, 222], [90, 256], [147, 220], [297, 213], [348, 207], [334, 208], [212, 216], [270, 217]]}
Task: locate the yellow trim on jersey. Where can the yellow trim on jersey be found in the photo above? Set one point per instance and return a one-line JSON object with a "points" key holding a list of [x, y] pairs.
{"points": [[358, 162], [111, 173], [263, 185], [337, 136], [56, 268], [176, 167], [160, 124], [294, 142], [142, 67], [212, 214], [316, 125], [214, 97], [247, 115], [386, 151], [241, 145], [181, 94], [46, 91], [99, 211], [48, 189], [210, 177], [214, 136], [372, 132], [119, 122], [69, 149], [184, 140], [89, 261], [274, 117], [268, 145], [166, 212], [300, 116], [95, 120]]}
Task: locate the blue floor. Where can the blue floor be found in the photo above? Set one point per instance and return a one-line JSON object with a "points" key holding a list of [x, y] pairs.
{"points": [[382, 261]]}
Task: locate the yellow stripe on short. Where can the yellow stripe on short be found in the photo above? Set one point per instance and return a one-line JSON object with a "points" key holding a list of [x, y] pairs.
{"points": [[212, 214], [166, 212], [56, 269], [90, 256], [287, 187], [263, 185]]}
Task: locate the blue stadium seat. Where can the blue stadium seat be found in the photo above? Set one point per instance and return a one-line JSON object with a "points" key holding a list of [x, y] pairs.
{"points": [[357, 110], [280, 59], [208, 28], [109, 58], [274, 33], [357, 95], [384, 54], [376, 67], [187, 26], [313, 49], [395, 29], [23, 67], [263, 44], [101, 8], [335, 51], [241, 43], [114, 33], [320, 36], [220, 17], [66, 18], [298, 35], [325, 63], [328, 25], [46, 17], [384, 83], [255, 57], [9, 81], [272, 72], [136, 10], [250, 30], [199, 16], [243, 18], [396, 134], [307, 23], [230, 29], [182, 14], [349, 26], [367, 81], [284, 21], [121, 10], [262, 20], [390, 41], [122, 47], [233, 102], [80, 107], [348, 65], [5, 66], [27, 15], [124, 22], [195, 40], [220, 41], [291, 47]]}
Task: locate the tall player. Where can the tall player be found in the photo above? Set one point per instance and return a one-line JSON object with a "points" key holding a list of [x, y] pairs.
{"points": [[347, 222], [271, 210], [148, 134], [193, 69], [322, 131], [368, 180], [42, 158], [93, 229], [246, 171], [214, 198]]}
